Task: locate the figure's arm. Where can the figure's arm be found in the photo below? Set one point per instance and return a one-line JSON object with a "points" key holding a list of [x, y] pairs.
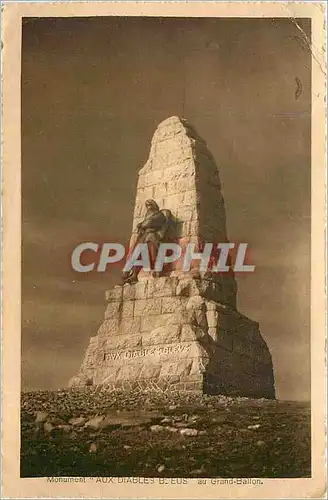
{"points": [[154, 221]]}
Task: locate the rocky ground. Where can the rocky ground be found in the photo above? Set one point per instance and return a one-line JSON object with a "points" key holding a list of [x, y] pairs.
{"points": [[94, 432]]}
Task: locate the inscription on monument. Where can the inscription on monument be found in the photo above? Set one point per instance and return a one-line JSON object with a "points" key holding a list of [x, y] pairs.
{"points": [[152, 351]]}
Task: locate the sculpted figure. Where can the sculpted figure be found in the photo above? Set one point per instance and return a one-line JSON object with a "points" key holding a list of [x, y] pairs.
{"points": [[152, 231]]}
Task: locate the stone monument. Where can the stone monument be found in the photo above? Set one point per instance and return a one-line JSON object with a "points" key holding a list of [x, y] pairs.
{"points": [[180, 330]]}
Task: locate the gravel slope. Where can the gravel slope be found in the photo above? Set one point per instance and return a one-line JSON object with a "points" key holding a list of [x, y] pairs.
{"points": [[94, 432]]}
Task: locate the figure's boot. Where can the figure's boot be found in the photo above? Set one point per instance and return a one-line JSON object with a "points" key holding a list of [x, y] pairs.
{"points": [[130, 277]]}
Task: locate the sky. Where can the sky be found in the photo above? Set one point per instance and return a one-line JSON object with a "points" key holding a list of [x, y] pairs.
{"points": [[93, 92]]}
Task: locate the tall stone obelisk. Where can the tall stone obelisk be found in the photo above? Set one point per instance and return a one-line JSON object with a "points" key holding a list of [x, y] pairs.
{"points": [[182, 330], [181, 175]]}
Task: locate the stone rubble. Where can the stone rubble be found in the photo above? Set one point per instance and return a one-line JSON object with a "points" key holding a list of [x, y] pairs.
{"points": [[223, 445]]}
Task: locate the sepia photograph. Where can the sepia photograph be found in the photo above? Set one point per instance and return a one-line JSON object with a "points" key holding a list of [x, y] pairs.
{"points": [[166, 240], [210, 119]]}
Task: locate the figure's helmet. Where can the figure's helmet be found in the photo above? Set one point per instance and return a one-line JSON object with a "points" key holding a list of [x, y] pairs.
{"points": [[151, 204]]}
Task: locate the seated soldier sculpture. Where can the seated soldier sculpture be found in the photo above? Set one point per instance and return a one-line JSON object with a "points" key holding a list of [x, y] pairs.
{"points": [[152, 231]]}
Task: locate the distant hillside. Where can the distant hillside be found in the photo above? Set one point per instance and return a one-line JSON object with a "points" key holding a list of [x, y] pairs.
{"points": [[94, 432]]}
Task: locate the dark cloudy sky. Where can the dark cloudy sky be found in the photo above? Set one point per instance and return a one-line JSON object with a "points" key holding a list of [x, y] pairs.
{"points": [[93, 92]]}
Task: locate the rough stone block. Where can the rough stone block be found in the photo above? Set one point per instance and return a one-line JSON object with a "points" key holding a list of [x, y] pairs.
{"points": [[140, 289], [171, 304], [190, 333], [195, 302], [135, 224], [172, 201], [145, 307], [113, 310], [159, 192], [127, 308], [128, 372], [194, 386], [149, 323], [190, 197], [162, 287], [150, 371], [130, 325], [196, 312], [156, 321], [162, 335], [213, 333], [187, 213], [143, 194], [212, 306], [129, 292], [109, 327], [198, 367], [153, 177], [212, 318], [115, 294], [139, 211], [187, 288], [122, 342], [180, 369]]}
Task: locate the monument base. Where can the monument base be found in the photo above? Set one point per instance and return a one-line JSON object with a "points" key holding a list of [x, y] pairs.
{"points": [[170, 333]]}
